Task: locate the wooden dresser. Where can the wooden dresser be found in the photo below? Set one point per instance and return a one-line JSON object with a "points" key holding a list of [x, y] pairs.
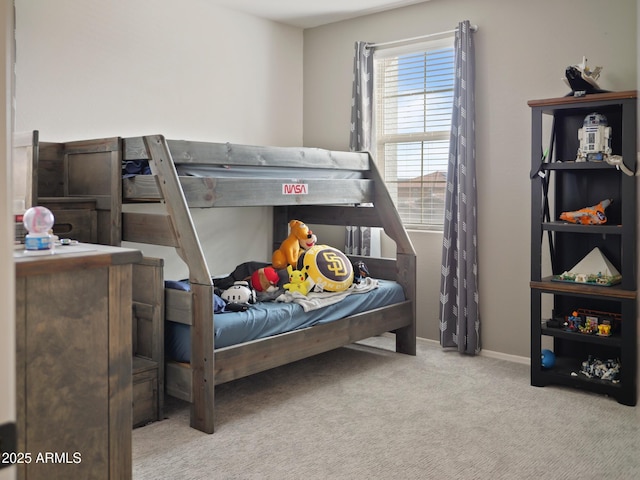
{"points": [[74, 389]]}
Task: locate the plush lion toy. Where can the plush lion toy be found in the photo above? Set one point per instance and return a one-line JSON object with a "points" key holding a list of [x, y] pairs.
{"points": [[300, 239]]}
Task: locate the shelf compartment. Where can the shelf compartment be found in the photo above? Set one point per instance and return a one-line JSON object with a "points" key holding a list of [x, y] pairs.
{"points": [[611, 341], [549, 286], [586, 229], [573, 165], [580, 104], [566, 371]]}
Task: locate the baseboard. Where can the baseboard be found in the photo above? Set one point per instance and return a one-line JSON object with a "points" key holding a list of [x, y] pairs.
{"points": [[487, 353], [506, 356]]}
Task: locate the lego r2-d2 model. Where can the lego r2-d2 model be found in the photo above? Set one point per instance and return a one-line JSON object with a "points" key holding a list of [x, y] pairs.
{"points": [[595, 139]]}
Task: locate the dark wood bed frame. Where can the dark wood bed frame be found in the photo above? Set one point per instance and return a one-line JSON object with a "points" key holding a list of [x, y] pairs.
{"points": [[92, 168]]}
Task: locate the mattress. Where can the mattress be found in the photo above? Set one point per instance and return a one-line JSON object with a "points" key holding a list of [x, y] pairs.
{"points": [[265, 319], [141, 167]]}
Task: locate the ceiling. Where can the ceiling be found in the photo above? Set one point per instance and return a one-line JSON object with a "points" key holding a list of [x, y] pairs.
{"points": [[312, 13]]}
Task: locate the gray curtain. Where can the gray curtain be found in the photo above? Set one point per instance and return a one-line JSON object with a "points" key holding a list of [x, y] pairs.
{"points": [[357, 239], [362, 99], [459, 312]]}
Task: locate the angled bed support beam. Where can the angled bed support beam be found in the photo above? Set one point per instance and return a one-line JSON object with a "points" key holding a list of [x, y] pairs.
{"points": [[190, 250]]}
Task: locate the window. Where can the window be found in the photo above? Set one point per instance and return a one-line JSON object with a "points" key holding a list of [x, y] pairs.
{"points": [[414, 99]]}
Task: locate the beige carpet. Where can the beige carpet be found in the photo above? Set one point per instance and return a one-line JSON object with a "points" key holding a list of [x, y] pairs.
{"points": [[367, 413]]}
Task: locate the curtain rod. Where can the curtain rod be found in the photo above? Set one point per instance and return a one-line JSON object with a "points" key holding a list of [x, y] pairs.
{"points": [[474, 28]]}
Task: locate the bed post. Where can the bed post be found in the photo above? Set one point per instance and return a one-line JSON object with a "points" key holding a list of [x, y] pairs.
{"points": [[406, 336], [190, 250], [405, 256]]}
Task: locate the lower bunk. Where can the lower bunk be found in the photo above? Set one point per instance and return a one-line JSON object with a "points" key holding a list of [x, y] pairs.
{"points": [[283, 332], [237, 361], [238, 353], [271, 334]]}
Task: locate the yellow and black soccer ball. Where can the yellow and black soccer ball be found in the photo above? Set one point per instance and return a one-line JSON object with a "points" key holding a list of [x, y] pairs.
{"points": [[328, 268]]}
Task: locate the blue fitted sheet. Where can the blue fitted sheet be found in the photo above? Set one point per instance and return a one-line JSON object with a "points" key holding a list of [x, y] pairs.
{"points": [[265, 319]]}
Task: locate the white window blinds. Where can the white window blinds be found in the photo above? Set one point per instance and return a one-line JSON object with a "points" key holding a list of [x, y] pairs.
{"points": [[414, 96]]}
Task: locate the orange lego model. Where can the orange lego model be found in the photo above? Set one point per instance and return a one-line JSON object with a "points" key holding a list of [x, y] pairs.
{"points": [[589, 215]]}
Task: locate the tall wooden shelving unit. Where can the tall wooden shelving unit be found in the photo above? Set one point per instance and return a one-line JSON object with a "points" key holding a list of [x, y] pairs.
{"points": [[562, 184]]}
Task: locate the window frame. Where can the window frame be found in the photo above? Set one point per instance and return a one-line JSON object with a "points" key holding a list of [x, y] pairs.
{"points": [[381, 140]]}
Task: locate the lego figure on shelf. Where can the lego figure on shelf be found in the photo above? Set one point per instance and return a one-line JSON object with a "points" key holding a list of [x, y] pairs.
{"points": [[595, 143], [595, 138], [573, 323], [581, 79], [604, 330]]}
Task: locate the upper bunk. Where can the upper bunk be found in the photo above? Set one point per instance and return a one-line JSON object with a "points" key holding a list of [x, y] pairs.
{"points": [[321, 186], [232, 175]]}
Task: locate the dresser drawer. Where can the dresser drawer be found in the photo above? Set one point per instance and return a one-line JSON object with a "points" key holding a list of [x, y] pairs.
{"points": [[145, 391], [75, 217]]}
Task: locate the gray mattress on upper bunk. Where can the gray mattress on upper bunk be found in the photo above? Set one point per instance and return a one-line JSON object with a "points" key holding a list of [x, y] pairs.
{"points": [[141, 167], [223, 174]]}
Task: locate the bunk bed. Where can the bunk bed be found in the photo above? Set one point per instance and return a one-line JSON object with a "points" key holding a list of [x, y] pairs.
{"points": [[333, 188]]}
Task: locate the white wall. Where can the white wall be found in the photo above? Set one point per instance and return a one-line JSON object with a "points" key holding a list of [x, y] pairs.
{"points": [[522, 49], [187, 70], [7, 284]]}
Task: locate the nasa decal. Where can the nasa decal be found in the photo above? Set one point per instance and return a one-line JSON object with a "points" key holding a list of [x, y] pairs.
{"points": [[295, 188]]}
